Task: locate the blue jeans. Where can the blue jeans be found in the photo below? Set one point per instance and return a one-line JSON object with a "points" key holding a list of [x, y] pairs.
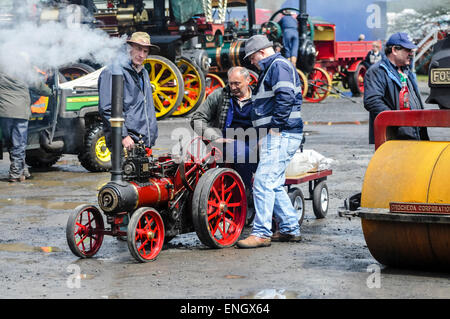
{"points": [[269, 196], [290, 42], [15, 135]]}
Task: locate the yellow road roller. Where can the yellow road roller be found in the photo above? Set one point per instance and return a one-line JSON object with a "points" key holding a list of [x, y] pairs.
{"points": [[405, 197], [404, 204]]}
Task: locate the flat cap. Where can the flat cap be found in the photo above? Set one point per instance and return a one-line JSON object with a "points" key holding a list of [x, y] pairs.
{"points": [[256, 43]]}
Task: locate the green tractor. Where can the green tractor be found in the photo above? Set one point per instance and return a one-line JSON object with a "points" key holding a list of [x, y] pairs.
{"points": [[68, 123]]}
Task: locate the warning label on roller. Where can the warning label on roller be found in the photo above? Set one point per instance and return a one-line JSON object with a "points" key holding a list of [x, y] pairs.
{"points": [[419, 208]]}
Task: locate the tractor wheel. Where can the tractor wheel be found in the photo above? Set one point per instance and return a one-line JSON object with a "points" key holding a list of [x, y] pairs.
{"points": [[319, 85], [304, 81], [298, 201], [145, 235], [39, 158], [194, 87], [220, 212], [95, 157], [199, 156], [74, 71], [167, 85], [213, 82], [356, 80], [84, 231], [321, 200]]}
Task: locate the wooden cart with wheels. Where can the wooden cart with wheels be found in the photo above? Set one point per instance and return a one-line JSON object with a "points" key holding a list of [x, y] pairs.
{"points": [[318, 192]]}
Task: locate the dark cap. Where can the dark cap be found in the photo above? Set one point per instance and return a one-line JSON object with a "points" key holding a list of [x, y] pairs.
{"points": [[402, 39], [256, 43]]}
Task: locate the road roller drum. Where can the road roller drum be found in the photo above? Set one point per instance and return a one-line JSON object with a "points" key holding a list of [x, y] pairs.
{"points": [[417, 174]]}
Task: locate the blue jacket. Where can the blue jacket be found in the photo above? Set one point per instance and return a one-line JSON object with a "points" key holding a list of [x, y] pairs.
{"points": [[138, 109], [382, 85], [277, 98]]}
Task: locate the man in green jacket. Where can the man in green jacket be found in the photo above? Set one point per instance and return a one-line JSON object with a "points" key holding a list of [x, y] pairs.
{"points": [[15, 111]]}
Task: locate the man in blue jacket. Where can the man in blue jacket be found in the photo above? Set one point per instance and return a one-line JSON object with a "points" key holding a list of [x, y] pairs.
{"points": [[382, 85], [276, 111], [138, 109], [289, 26]]}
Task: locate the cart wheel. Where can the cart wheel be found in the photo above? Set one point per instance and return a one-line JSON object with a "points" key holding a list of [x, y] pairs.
{"points": [[213, 82], [167, 85], [84, 231], [194, 87], [199, 156], [304, 81], [298, 201], [219, 213], [319, 85], [320, 200], [145, 234], [356, 80]]}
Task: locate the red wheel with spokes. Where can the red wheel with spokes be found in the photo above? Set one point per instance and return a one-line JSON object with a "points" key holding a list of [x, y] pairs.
{"points": [[199, 156], [84, 231], [319, 85], [145, 235], [219, 207], [356, 80], [213, 82]]}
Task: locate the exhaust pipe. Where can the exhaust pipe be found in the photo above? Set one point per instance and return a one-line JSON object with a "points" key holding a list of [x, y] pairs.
{"points": [[116, 121]]}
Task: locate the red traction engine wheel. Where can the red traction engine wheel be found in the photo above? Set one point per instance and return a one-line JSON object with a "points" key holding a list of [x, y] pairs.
{"points": [[145, 235], [219, 207], [85, 231]]}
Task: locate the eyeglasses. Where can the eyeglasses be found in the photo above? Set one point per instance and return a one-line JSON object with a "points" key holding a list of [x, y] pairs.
{"points": [[397, 47]]}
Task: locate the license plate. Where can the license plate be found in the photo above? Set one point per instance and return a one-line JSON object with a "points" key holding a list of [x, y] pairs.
{"points": [[440, 76]]}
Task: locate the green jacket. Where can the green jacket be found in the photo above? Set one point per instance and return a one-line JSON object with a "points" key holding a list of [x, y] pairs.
{"points": [[209, 119], [15, 97]]}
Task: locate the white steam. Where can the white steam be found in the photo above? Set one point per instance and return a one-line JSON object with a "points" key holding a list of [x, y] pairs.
{"points": [[50, 45]]}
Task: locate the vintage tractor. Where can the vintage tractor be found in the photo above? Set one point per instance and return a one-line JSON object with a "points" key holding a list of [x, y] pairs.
{"points": [[161, 196], [323, 59]]}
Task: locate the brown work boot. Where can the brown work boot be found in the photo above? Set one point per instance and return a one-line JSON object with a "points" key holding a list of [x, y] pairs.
{"points": [[16, 179], [279, 237], [253, 242]]}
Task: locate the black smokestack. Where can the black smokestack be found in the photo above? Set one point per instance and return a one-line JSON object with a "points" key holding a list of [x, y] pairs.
{"points": [[116, 126]]}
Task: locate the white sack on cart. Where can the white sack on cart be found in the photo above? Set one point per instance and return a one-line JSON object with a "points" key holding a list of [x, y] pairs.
{"points": [[307, 161]]}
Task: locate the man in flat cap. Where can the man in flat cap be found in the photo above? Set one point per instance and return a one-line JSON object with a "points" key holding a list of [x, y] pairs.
{"points": [[383, 85], [276, 110], [138, 108]]}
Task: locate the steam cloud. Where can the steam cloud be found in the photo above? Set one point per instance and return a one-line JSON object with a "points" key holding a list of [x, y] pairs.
{"points": [[50, 45]]}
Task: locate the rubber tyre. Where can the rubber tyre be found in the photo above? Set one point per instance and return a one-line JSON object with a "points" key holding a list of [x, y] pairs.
{"points": [[145, 219], [207, 226], [39, 158], [298, 201], [95, 156], [321, 200], [75, 71], [94, 223]]}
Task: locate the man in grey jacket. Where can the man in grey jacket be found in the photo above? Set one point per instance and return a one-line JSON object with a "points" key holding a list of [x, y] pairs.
{"points": [[15, 111]]}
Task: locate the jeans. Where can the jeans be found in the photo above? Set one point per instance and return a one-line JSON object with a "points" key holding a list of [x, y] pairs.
{"points": [[15, 135], [269, 196]]}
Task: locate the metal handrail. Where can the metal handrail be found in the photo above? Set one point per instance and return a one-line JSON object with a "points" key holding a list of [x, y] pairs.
{"points": [[433, 34]]}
